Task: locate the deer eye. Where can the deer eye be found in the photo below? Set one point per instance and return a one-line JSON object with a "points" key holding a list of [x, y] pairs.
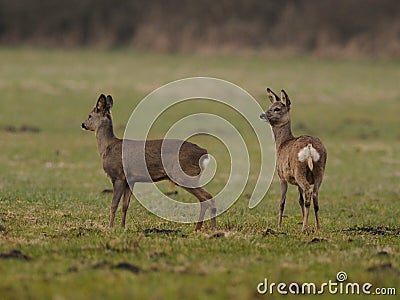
{"points": [[89, 116], [277, 109]]}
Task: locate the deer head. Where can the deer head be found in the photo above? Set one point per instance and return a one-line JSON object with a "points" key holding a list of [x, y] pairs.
{"points": [[278, 112], [99, 114]]}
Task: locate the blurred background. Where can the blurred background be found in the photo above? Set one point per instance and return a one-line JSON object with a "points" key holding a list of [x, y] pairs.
{"points": [[343, 28]]}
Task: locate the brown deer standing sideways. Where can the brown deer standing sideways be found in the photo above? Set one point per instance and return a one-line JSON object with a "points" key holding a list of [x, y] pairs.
{"points": [[192, 159], [299, 160]]}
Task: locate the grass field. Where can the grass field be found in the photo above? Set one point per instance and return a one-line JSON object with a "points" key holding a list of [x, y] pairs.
{"points": [[55, 243]]}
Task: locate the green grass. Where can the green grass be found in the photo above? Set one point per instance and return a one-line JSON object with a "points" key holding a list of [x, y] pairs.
{"points": [[52, 211]]}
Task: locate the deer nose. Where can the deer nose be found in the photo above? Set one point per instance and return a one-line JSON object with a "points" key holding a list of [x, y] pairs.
{"points": [[83, 126], [263, 116]]}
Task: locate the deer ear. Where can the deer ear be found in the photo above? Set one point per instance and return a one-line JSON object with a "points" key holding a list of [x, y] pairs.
{"points": [[272, 96], [285, 98], [101, 103], [109, 102]]}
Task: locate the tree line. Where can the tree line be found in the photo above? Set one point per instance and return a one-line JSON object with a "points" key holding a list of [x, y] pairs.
{"points": [[327, 27]]}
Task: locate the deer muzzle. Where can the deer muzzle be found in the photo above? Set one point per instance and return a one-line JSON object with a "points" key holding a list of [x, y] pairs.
{"points": [[263, 117]]}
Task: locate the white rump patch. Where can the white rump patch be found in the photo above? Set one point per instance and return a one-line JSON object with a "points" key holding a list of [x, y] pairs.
{"points": [[204, 161], [307, 152]]}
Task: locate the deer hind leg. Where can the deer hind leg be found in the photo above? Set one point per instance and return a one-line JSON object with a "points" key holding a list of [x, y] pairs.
{"points": [[308, 193], [206, 201], [213, 214], [307, 203], [171, 186], [284, 186], [118, 188], [126, 199], [301, 200], [316, 207], [317, 184]]}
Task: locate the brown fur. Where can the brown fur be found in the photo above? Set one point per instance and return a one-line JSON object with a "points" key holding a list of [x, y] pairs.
{"points": [[151, 169], [290, 169]]}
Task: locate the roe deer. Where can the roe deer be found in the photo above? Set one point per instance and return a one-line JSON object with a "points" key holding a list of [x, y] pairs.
{"points": [[192, 159], [299, 160]]}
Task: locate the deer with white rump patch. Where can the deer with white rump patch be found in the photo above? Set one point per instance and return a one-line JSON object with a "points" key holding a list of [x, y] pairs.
{"points": [[148, 161], [299, 160]]}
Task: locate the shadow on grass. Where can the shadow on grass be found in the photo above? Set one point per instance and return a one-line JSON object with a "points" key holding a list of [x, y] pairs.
{"points": [[379, 230], [15, 254], [119, 266], [150, 231]]}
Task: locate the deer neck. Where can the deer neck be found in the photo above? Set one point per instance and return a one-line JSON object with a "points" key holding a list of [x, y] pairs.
{"points": [[105, 136], [282, 134]]}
